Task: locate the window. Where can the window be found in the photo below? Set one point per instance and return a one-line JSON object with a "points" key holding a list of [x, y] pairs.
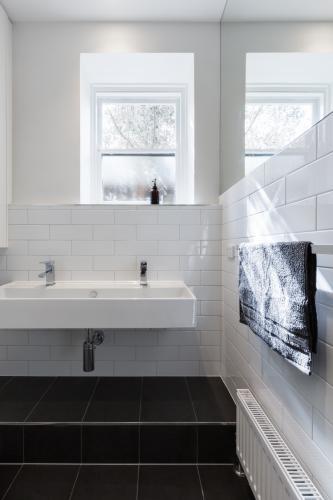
{"points": [[273, 119], [140, 136], [138, 140], [136, 125]]}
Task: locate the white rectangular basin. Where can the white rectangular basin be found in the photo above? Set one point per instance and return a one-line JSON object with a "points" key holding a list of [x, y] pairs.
{"points": [[100, 304]]}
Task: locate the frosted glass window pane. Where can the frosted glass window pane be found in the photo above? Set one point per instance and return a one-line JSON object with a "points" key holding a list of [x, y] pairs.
{"points": [[271, 126], [138, 126], [129, 178]]}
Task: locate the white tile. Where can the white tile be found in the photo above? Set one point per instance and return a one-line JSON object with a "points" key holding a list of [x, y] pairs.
{"points": [[17, 247], [60, 276], [325, 136], [210, 338], [158, 232], [153, 353], [13, 337], [160, 262], [177, 368], [135, 337], [210, 368], [116, 353], [136, 216], [49, 216], [209, 323], [116, 232], [244, 187], [179, 338], [200, 353], [324, 211], [136, 247], [211, 216], [266, 198], [211, 307], [70, 232], [3, 353], [49, 337], [92, 216], [49, 247], [23, 263], [323, 434], [92, 247], [313, 179], [203, 262], [66, 353], [325, 323], [236, 210], [73, 262], [203, 232], [26, 353], [117, 262], [179, 247], [211, 248], [299, 153], [50, 368], [211, 278], [323, 362], [181, 216], [19, 216], [13, 368], [28, 232]]}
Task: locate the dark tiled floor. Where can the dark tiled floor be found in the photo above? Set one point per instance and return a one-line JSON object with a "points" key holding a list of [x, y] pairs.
{"points": [[116, 420], [116, 399], [119, 482]]}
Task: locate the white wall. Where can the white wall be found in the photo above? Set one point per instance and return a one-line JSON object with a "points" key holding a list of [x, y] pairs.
{"points": [[107, 243], [236, 41], [47, 99], [5, 121], [290, 197]]}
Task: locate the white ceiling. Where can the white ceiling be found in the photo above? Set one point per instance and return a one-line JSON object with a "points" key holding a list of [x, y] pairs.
{"points": [[168, 10], [114, 10]]}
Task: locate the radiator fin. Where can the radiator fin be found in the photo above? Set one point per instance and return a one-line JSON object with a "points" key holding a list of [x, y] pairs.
{"points": [[272, 470]]}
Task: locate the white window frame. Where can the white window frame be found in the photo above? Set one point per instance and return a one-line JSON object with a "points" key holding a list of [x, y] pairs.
{"points": [[318, 95], [177, 95]]}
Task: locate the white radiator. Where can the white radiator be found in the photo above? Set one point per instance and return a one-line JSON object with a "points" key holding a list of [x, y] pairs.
{"points": [[271, 468]]}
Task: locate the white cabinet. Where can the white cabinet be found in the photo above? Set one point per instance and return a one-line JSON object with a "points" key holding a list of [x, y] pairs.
{"points": [[5, 123]]}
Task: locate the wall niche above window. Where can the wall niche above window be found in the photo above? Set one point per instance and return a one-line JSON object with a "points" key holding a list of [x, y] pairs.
{"points": [[137, 124]]}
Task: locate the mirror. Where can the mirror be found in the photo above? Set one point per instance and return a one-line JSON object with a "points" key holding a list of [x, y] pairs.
{"points": [[286, 93]]}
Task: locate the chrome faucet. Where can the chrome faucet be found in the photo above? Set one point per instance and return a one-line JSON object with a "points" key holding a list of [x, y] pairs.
{"points": [[143, 273], [49, 273]]}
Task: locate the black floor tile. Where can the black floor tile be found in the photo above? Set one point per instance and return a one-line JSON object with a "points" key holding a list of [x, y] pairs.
{"points": [[7, 474], [110, 444], [166, 399], [19, 396], [4, 381], [177, 482], [217, 444], [168, 444], [116, 399], [220, 482], [43, 482], [52, 443], [106, 482], [211, 399], [66, 401], [11, 444]]}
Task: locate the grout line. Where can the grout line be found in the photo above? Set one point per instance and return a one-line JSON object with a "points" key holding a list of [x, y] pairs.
{"points": [[201, 486], [12, 482], [139, 440], [119, 464], [40, 399], [75, 481]]}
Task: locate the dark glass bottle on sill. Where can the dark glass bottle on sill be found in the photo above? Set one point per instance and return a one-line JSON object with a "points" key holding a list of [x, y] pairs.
{"points": [[154, 194]]}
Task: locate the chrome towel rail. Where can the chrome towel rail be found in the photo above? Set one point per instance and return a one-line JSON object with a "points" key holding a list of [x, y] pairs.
{"points": [[318, 249]]}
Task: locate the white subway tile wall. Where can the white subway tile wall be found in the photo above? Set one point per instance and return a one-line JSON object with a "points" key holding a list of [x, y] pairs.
{"points": [[290, 197], [107, 243]]}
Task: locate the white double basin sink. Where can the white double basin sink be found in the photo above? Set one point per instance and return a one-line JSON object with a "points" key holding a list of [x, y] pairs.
{"points": [[101, 304]]}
